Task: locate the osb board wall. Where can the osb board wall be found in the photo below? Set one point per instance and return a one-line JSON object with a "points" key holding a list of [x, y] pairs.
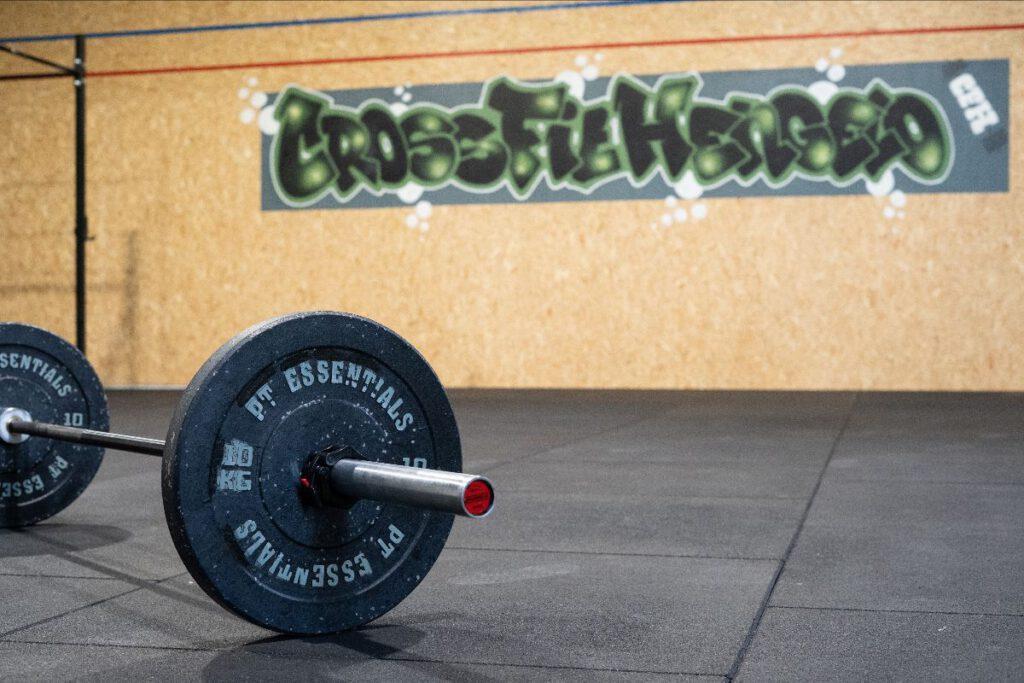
{"points": [[775, 292]]}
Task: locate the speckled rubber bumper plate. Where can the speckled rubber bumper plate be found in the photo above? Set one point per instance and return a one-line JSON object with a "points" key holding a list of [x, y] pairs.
{"points": [[248, 421], [44, 375]]}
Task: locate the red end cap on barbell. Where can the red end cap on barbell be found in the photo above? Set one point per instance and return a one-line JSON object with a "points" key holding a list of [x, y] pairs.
{"points": [[478, 498]]}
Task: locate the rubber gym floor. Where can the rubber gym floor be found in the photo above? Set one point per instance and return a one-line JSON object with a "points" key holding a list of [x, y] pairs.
{"points": [[637, 535]]}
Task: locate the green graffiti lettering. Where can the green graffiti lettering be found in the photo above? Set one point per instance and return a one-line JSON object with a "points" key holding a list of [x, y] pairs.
{"points": [[387, 144], [562, 159], [598, 158], [520, 135], [348, 141], [523, 111], [433, 151], [482, 155], [922, 133], [805, 131], [654, 138], [302, 169]]}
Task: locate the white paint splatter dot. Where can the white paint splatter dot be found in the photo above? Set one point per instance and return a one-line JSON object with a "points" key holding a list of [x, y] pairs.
{"points": [[823, 91], [252, 81], [590, 72], [882, 186], [247, 115], [410, 193], [407, 97], [599, 57], [835, 53], [898, 198], [258, 99], [699, 211], [888, 212], [267, 123], [688, 187], [680, 214], [243, 93], [580, 60], [666, 219], [821, 65], [397, 108], [399, 90], [411, 220], [574, 80], [424, 209], [671, 201], [836, 72]]}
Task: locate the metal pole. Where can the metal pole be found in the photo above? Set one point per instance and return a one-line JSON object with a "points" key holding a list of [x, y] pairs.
{"points": [[81, 221]]}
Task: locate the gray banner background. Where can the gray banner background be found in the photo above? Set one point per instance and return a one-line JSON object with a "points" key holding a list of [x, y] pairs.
{"points": [[981, 162]]}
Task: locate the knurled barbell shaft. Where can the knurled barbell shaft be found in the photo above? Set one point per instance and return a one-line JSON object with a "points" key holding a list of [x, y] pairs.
{"points": [[88, 437]]}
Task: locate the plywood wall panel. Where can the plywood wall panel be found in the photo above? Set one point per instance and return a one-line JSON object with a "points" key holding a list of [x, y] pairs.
{"points": [[817, 292]]}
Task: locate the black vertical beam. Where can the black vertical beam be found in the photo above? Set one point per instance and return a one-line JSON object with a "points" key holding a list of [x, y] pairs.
{"points": [[81, 221]]}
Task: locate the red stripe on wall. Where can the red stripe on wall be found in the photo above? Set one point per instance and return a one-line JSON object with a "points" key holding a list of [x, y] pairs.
{"points": [[557, 48]]}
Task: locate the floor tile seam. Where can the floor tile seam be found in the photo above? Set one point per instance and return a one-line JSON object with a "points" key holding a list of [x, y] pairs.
{"points": [[683, 556], [552, 449], [711, 459], [74, 556], [44, 575], [585, 498], [872, 610], [6, 634], [173, 648], [587, 437], [560, 667], [940, 482], [766, 600], [946, 438], [629, 423], [924, 528], [119, 646]]}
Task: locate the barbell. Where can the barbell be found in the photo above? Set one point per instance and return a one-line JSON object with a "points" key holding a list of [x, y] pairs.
{"points": [[310, 473]]}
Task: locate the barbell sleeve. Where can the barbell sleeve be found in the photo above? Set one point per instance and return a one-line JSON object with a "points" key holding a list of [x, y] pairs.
{"points": [[468, 495]]}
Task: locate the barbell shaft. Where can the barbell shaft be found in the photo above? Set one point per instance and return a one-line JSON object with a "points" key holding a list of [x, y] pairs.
{"points": [[468, 495], [88, 437]]}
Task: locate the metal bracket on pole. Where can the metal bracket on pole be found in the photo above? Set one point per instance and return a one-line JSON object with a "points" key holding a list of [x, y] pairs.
{"points": [[67, 71]]}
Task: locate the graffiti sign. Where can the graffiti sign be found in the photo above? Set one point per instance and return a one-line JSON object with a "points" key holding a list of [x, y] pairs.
{"points": [[540, 141]]}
